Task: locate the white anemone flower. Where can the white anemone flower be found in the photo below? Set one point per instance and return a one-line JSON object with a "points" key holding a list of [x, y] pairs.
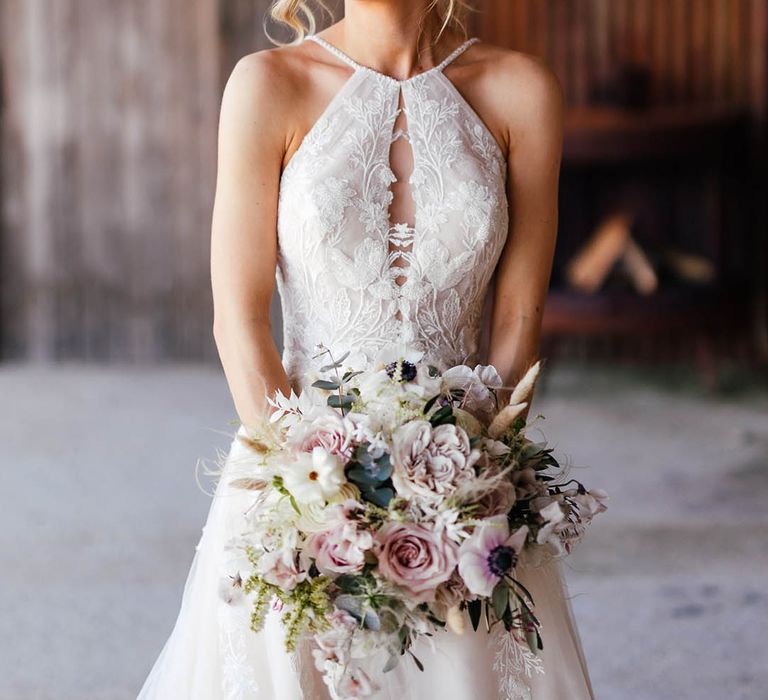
{"points": [[397, 352], [314, 477]]}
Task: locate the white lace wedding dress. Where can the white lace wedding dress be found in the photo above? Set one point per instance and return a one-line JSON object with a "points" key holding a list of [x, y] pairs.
{"points": [[392, 217]]}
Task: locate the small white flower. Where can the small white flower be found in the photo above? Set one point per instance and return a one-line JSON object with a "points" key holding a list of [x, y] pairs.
{"points": [[448, 519], [279, 568], [315, 477], [553, 522], [590, 504]]}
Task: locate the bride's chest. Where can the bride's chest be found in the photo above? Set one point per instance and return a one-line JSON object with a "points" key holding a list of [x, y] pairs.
{"points": [[347, 198]]}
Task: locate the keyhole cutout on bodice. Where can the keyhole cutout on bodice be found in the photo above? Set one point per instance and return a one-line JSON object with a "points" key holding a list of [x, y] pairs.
{"points": [[402, 210]]}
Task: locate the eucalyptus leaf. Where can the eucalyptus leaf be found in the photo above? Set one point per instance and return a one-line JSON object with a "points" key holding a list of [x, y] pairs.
{"points": [[335, 364], [362, 455], [383, 471], [326, 384], [344, 401], [380, 497], [371, 620], [363, 477], [500, 600], [392, 663], [350, 604]]}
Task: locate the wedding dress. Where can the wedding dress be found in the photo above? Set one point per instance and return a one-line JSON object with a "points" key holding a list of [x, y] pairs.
{"points": [[392, 217]]}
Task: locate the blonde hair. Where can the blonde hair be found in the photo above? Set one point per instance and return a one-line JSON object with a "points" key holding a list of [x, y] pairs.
{"points": [[301, 19]]}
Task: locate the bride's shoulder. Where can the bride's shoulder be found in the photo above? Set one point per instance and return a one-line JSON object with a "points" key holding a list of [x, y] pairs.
{"points": [[519, 89], [276, 76], [516, 77], [270, 95]]}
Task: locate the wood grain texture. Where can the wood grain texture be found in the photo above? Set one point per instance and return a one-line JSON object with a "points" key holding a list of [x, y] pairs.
{"points": [[108, 126], [695, 51], [109, 119]]}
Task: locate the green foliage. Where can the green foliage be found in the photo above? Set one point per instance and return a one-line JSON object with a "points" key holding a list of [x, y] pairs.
{"points": [[442, 416]]}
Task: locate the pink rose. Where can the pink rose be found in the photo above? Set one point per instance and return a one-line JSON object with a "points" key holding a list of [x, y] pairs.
{"points": [[328, 430], [340, 550], [431, 463], [415, 558]]}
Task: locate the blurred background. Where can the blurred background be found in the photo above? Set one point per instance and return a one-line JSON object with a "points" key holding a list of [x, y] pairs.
{"points": [[655, 332]]}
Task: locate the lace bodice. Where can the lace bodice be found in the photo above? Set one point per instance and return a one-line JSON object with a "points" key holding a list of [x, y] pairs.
{"points": [[369, 256]]}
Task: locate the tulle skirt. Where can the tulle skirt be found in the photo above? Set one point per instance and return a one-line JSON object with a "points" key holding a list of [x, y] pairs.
{"points": [[213, 655]]}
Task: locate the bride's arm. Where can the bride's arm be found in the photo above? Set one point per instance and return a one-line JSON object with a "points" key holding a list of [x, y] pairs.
{"points": [[244, 238], [534, 133]]}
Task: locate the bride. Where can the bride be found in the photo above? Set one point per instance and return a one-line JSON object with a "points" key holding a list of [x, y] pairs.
{"points": [[385, 170]]}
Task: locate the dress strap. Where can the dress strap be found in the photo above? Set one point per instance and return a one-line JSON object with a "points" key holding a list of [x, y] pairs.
{"points": [[457, 52], [328, 46]]}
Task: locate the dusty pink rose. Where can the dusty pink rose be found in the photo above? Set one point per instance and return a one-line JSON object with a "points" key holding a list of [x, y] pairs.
{"points": [[431, 463], [452, 592], [340, 550], [328, 430], [415, 558]]}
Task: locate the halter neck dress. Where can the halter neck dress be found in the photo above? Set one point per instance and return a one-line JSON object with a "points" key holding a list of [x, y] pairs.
{"points": [[392, 217]]}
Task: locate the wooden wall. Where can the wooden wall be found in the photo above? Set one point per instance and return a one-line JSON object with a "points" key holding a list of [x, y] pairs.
{"points": [[108, 123], [109, 111], [695, 50]]}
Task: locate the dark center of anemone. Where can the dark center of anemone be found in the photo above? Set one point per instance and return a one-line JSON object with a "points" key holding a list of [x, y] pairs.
{"points": [[402, 370], [501, 560], [313, 476]]}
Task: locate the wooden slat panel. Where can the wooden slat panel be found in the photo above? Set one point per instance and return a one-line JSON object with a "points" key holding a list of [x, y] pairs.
{"points": [[696, 51], [111, 112], [600, 40], [580, 53], [718, 40], [758, 59], [108, 142]]}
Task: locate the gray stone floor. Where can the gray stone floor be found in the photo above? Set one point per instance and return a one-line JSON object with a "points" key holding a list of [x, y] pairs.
{"points": [[101, 512]]}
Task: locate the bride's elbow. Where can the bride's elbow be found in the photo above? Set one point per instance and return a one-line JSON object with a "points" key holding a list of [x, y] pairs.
{"points": [[234, 330]]}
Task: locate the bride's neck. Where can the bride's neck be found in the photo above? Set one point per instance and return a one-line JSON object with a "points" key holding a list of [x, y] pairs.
{"points": [[395, 37]]}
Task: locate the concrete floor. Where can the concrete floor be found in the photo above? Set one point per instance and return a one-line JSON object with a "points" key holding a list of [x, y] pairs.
{"points": [[102, 511]]}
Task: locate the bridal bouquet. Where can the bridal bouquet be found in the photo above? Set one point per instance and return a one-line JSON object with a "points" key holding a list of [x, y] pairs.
{"points": [[396, 501]]}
